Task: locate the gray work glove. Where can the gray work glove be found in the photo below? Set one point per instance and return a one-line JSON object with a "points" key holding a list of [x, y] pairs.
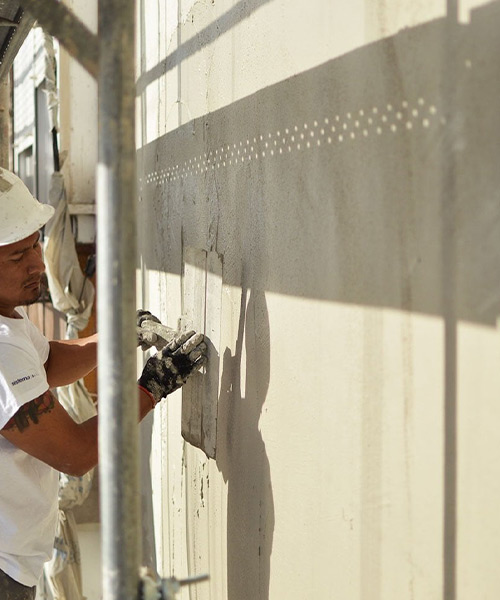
{"points": [[151, 332], [146, 337], [170, 368]]}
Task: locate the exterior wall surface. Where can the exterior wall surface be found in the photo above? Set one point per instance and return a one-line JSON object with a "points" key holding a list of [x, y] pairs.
{"points": [[342, 160]]}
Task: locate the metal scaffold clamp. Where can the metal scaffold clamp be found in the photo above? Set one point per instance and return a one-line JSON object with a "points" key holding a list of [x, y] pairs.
{"points": [[155, 588]]}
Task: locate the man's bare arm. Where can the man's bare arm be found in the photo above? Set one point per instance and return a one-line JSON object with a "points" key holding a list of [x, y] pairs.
{"points": [[43, 429], [70, 360], [31, 412]]}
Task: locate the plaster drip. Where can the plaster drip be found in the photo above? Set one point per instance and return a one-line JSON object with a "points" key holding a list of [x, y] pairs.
{"points": [[375, 121]]}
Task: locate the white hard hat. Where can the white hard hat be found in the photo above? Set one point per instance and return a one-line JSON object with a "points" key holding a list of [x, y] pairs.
{"points": [[20, 214]]}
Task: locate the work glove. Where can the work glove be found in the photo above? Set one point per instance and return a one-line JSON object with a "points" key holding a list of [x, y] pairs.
{"points": [[170, 368], [146, 336]]}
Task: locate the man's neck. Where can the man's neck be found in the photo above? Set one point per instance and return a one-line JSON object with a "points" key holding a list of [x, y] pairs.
{"points": [[9, 312]]}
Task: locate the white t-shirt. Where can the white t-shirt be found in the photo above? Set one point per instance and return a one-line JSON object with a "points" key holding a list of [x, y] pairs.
{"points": [[28, 487]]}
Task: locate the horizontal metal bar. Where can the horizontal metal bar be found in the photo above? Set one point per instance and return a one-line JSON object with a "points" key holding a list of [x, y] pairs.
{"points": [[81, 209], [58, 20], [15, 41]]}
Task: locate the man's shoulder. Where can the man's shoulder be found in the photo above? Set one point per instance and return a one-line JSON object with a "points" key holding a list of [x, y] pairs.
{"points": [[13, 328], [18, 335]]}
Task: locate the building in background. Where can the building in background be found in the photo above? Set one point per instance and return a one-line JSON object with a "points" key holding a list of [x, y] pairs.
{"points": [[38, 146]]}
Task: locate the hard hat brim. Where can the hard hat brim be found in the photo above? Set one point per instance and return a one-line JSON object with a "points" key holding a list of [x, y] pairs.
{"points": [[37, 218]]}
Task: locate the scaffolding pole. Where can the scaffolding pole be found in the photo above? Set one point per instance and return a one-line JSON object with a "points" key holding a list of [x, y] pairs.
{"points": [[14, 41], [116, 260], [114, 63], [58, 20], [5, 92]]}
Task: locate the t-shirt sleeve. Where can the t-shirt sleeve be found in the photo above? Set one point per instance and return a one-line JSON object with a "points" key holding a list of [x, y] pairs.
{"points": [[22, 379]]}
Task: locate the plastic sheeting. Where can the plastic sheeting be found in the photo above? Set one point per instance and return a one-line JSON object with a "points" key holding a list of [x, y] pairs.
{"points": [[65, 277], [50, 81], [74, 296]]}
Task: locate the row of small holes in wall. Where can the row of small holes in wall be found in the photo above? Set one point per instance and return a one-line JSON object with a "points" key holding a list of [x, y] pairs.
{"points": [[331, 130]]}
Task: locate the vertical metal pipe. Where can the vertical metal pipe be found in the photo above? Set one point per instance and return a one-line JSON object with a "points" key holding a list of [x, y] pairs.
{"points": [[116, 251], [5, 141]]}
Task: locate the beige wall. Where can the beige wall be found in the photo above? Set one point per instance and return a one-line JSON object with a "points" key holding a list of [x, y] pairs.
{"points": [[341, 158], [343, 161]]}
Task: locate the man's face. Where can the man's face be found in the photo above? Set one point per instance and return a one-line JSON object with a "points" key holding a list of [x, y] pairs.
{"points": [[21, 268]]}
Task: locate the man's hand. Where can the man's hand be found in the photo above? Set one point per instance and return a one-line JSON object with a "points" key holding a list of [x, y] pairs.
{"points": [[145, 336], [151, 332], [170, 368]]}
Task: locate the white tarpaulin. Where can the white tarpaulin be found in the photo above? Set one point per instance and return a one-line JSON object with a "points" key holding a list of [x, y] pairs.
{"points": [[74, 296], [50, 81]]}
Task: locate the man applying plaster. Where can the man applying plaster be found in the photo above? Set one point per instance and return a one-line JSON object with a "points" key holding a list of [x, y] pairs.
{"points": [[38, 437]]}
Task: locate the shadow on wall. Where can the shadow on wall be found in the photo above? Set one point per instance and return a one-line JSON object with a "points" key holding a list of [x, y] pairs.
{"points": [[148, 551], [242, 457], [370, 180], [346, 161], [226, 22]]}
